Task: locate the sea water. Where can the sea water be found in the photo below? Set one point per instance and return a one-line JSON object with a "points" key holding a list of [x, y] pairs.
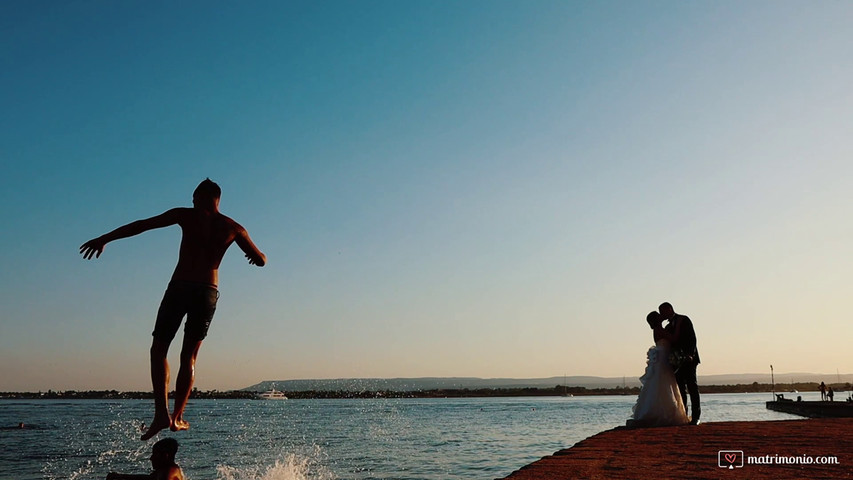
{"points": [[424, 439]]}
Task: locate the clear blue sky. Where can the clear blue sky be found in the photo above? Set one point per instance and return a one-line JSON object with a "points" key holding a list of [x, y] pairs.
{"points": [[472, 188]]}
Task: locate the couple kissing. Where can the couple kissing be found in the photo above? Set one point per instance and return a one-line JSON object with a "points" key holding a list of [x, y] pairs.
{"points": [[670, 375]]}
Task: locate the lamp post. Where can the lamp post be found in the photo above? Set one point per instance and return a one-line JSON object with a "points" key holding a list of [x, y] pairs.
{"points": [[773, 382]]}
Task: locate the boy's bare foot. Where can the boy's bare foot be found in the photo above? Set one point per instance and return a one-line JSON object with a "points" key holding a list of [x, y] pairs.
{"points": [[179, 424], [159, 423]]}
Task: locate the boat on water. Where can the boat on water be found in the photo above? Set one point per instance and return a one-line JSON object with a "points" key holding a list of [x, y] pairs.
{"points": [[272, 395], [566, 387]]}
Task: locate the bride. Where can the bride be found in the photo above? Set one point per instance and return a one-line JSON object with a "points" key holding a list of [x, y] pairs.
{"points": [[659, 403]]}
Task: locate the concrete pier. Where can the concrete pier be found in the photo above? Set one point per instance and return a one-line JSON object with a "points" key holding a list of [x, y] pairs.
{"points": [[788, 449]]}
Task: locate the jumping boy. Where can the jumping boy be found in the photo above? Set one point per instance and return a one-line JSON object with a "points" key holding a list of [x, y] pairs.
{"points": [[192, 291]]}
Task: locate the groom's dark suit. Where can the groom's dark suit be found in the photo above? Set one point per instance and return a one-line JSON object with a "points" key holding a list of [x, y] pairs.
{"points": [[684, 346]]}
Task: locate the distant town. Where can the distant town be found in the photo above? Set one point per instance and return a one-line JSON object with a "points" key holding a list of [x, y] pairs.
{"points": [[556, 391]]}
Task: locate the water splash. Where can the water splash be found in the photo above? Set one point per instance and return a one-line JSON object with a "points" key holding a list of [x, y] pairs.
{"points": [[89, 454], [291, 467]]}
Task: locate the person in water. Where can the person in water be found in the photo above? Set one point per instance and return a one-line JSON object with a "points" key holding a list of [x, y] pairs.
{"points": [[162, 460], [192, 291]]}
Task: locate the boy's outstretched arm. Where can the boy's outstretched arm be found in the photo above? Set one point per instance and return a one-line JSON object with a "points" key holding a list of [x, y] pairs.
{"points": [[95, 246], [255, 256]]}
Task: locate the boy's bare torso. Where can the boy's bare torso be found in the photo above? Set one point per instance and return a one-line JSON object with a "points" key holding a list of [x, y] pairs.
{"points": [[206, 237]]}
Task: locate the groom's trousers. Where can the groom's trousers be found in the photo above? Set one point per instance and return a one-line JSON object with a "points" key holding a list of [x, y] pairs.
{"points": [[686, 378]]}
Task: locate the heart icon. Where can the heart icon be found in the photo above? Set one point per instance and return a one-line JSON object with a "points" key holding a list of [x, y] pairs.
{"points": [[731, 457]]}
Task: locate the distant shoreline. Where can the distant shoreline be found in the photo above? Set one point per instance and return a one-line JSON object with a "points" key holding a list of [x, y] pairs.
{"points": [[557, 391]]}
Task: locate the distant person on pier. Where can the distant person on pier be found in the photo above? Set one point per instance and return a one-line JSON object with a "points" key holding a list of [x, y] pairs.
{"points": [[830, 394], [192, 291], [822, 389], [162, 460]]}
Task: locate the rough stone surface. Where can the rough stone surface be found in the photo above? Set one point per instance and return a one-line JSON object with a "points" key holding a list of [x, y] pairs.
{"points": [[691, 452]]}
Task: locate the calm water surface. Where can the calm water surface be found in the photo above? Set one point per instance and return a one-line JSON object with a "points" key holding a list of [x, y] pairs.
{"points": [[424, 439]]}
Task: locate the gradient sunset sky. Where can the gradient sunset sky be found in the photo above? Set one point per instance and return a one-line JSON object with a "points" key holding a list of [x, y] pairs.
{"points": [[442, 188]]}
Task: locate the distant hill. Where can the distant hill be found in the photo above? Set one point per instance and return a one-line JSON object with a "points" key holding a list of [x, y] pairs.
{"points": [[436, 383]]}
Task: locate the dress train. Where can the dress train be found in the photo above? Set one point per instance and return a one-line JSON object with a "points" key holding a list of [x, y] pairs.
{"points": [[659, 402]]}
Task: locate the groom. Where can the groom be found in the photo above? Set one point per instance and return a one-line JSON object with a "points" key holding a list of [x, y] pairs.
{"points": [[680, 328]]}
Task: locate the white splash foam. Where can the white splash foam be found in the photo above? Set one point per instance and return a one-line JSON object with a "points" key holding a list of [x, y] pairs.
{"points": [[291, 467]]}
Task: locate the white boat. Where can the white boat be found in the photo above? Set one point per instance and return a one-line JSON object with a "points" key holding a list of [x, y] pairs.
{"points": [[272, 395], [566, 388]]}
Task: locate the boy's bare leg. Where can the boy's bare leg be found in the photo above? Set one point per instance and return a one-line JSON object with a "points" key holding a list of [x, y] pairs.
{"points": [[160, 384], [184, 385]]}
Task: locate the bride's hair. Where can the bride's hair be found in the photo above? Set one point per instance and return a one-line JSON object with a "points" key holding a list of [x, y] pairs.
{"points": [[653, 319]]}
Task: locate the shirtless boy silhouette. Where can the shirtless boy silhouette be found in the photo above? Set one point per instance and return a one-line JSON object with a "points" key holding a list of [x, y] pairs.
{"points": [[192, 291], [162, 460]]}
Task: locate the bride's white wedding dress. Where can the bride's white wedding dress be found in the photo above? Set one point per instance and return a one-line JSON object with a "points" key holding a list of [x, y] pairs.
{"points": [[659, 403]]}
